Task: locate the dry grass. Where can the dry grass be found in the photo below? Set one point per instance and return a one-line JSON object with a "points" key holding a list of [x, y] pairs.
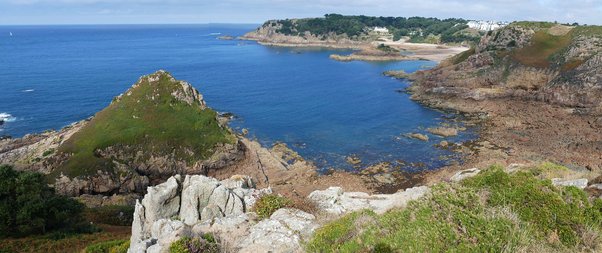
{"points": [[74, 243]]}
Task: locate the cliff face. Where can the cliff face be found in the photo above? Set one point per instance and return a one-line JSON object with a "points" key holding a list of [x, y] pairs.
{"points": [[532, 61], [158, 128]]}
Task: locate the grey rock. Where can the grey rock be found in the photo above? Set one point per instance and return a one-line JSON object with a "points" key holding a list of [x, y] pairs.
{"points": [[464, 174], [334, 201], [579, 183]]}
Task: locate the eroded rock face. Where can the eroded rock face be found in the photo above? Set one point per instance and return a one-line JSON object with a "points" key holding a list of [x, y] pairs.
{"points": [[170, 210], [334, 201]]}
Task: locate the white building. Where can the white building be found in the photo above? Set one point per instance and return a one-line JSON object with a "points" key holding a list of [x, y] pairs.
{"points": [[380, 30], [486, 25]]}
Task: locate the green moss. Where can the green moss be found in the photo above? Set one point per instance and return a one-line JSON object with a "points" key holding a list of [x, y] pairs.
{"points": [[268, 204], [148, 119], [492, 212]]}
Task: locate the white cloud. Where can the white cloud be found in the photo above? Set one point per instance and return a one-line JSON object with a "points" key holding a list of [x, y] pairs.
{"points": [[583, 11]]}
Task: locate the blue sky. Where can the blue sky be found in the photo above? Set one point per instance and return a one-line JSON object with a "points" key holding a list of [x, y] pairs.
{"points": [[257, 11]]}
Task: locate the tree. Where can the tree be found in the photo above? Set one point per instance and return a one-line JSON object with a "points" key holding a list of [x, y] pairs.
{"points": [[29, 206]]}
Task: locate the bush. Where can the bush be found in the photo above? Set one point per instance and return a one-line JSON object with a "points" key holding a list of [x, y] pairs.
{"points": [[268, 204], [29, 206], [204, 244], [492, 212], [115, 246], [110, 215]]}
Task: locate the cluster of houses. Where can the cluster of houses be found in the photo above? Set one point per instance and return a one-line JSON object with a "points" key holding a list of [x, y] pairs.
{"points": [[486, 25]]}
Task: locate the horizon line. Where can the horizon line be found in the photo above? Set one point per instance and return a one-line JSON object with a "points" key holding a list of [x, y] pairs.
{"points": [[93, 24]]}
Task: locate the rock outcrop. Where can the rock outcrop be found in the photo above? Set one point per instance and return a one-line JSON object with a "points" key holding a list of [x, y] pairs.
{"points": [[198, 205], [335, 201], [532, 61]]}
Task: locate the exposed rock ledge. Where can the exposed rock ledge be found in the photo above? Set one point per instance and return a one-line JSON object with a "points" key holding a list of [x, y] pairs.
{"points": [[199, 205]]}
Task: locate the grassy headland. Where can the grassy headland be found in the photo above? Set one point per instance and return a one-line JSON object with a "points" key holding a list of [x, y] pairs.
{"points": [[149, 118]]}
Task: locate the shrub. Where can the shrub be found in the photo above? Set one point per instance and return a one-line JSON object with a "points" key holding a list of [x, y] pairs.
{"points": [[29, 206], [115, 246], [268, 204], [204, 244]]}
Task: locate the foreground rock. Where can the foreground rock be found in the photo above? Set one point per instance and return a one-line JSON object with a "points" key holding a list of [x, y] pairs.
{"points": [[194, 200]]}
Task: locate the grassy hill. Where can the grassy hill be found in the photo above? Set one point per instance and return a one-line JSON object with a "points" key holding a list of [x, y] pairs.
{"points": [[158, 115]]}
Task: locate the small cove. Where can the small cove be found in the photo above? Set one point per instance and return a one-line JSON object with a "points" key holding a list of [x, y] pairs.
{"points": [[323, 109]]}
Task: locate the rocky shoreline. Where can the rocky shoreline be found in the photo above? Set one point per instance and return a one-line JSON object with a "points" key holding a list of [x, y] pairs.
{"points": [[555, 120]]}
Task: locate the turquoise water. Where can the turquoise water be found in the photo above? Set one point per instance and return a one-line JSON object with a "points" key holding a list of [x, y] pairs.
{"points": [[51, 76]]}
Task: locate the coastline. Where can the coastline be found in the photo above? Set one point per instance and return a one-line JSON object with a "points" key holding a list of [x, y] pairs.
{"points": [[417, 51]]}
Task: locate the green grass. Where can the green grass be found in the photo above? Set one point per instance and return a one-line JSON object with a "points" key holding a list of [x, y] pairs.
{"points": [[591, 30], [461, 57], [268, 204], [149, 119], [492, 212], [533, 24], [114, 246], [543, 46]]}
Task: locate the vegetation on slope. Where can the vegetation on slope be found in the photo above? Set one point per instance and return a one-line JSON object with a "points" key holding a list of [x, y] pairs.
{"points": [[148, 118], [34, 219], [28, 206], [417, 28], [492, 212], [546, 46]]}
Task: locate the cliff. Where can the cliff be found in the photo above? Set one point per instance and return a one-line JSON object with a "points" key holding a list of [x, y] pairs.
{"points": [[546, 62]]}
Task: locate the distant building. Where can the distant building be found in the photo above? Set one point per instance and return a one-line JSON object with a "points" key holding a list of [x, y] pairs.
{"points": [[485, 25], [381, 30]]}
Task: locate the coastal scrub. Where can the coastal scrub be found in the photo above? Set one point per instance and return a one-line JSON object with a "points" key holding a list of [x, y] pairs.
{"points": [[491, 212]]}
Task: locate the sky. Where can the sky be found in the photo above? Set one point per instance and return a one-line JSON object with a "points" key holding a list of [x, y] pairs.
{"points": [[13, 12]]}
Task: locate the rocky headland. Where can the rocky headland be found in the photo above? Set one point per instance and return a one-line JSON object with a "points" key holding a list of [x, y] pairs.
{"points": [[534, 88]]}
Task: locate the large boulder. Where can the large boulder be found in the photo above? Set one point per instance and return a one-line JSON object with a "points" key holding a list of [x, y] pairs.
{"points": [[170, 210], [284, 231]]}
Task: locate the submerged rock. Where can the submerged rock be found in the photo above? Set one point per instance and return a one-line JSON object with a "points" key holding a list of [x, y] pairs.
{"points": [[353, 160], [443, 131], [418, 136]]}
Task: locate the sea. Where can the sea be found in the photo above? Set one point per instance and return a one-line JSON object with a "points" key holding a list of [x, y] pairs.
{"points": [[52, 76]]}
